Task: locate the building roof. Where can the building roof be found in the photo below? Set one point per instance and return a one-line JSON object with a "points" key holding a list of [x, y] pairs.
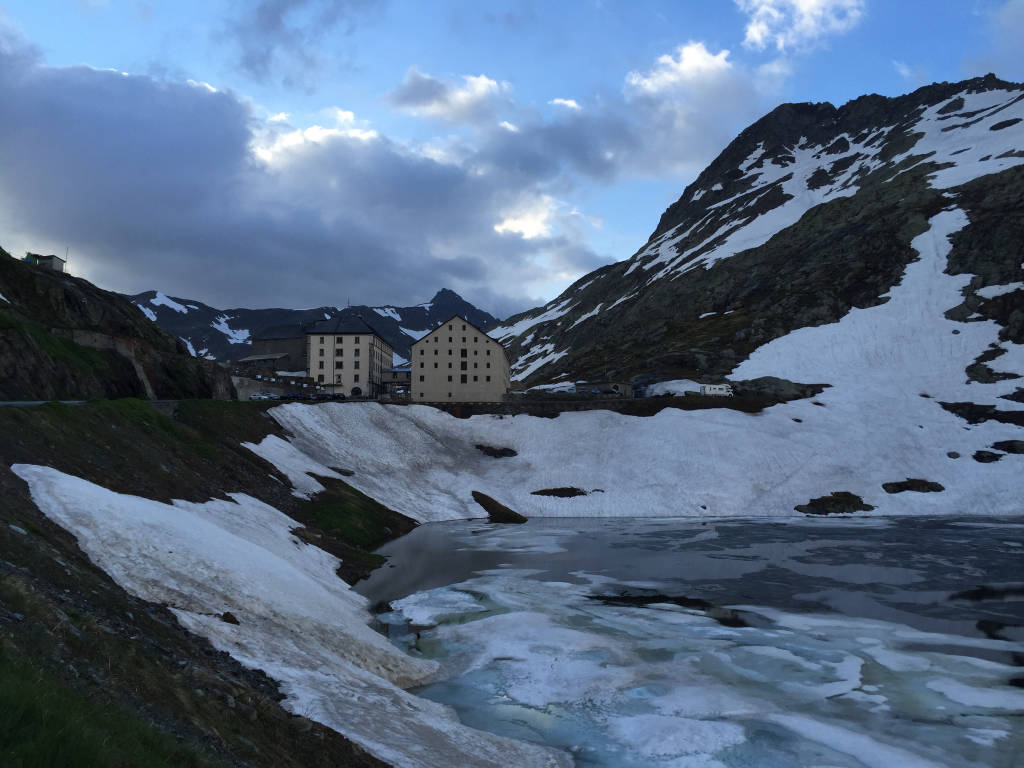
{"points": [[461, 319], [342, 325], [261, 358]]}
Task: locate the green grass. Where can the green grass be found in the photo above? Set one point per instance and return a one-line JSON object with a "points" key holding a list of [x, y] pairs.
{"points": [[353, 517], [56, 347], [46, 723]]}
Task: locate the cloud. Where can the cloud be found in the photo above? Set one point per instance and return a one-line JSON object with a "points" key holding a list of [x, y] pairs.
{"points": [[477, 99], [797, 24], [1005, 42], [276, 39], [913, 75], [693, 65], [166, 185], [567, 103]]}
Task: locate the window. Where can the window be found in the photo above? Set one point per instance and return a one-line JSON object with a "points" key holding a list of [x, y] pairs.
{"points": [[338, 365], [421, 378], [340, 352], [449, 365], [321, 352], [449, 353], [449, 379], [357, 340], [356, 378], [463, 338], [356, 353], [488, 353], [474, 339], [449, 339], [321, 339], [423, 394], [463, 353], [463, 327], [337, 379], [488, 378], [435, 365], [462, 379], [449, 328], [421, 366], [463, 366], [356, 365], [320, 378], [476, 378], [475, 352], [449, 394], [423, 352], [476, 365], [321, 365], [435, 352], [488, 365]]}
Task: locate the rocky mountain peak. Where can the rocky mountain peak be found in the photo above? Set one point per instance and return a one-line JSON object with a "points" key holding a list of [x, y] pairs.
{"points": [[807, 213]]}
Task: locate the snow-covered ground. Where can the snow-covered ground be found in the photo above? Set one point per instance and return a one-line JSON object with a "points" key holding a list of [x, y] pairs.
{"points": [[880, 421], [298, 621]]}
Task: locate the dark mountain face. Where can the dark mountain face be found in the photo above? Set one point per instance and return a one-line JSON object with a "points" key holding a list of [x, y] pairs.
{"points": [[61, 337], [226, 334], [808, 213]]}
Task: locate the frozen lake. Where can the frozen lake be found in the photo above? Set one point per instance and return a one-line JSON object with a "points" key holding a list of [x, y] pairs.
{"points": [[682, 642]]}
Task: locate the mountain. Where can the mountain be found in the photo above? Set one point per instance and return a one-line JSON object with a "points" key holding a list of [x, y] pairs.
{"points": [[226, 334], [61, 337], [809, 213]]}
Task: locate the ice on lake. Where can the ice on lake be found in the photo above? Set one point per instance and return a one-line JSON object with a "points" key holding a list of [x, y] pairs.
{"points": [[808, 643]]}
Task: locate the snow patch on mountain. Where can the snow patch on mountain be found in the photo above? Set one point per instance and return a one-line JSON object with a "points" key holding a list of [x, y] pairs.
{"points": [[188, 344], [991, 291], [388, 312], [147, 312], [414, 334], [160, 300], [240, 336]]}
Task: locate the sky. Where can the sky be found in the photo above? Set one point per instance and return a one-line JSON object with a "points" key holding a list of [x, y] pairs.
{"points": [[301, 153]]}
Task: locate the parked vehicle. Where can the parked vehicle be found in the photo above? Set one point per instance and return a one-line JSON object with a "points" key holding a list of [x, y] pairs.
{"points": [[262, 396]]}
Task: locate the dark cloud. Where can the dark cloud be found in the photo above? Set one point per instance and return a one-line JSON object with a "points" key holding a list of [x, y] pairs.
{"points": [[277, 39], [156, 185]]}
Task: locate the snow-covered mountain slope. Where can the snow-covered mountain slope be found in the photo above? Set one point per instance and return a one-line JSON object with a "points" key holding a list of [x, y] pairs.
{"points": [[296, 620], [226, 334], [807, 214], [911, 423]]}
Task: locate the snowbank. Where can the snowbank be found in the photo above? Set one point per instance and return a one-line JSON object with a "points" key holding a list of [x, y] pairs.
{"points": [[298, 621], [890, 366]]}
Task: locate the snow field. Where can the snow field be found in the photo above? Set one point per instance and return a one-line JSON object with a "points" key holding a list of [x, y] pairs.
{"points": [[298, 621]]}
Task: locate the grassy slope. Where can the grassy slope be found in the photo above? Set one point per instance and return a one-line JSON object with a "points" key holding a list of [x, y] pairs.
{"points": [[143, 685]]}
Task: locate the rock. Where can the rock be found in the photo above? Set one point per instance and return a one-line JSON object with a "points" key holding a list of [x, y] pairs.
{"points": [[496, 511], [229, 618], [838, 503], [987, 457], [1009, 446], [912, 484], [496, 453], [562, 493]]}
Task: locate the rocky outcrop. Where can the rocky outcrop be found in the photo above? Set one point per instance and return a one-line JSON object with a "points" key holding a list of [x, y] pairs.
{"points": [[63, 338], [496, 511]]}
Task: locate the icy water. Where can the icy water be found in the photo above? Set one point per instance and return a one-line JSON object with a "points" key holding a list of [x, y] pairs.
{"points": [[805, 642]]}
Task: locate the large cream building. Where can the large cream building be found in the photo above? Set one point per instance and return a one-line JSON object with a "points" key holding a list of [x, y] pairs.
{"points": [[457, 362], [346, 356]]}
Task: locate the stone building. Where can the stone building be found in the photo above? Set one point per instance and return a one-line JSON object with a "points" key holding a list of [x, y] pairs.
{"points": [[347, 356], [457, 362]]}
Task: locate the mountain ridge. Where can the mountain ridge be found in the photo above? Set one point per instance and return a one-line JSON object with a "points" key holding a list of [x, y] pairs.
{"points": [[806, 214], [226, 334]]}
